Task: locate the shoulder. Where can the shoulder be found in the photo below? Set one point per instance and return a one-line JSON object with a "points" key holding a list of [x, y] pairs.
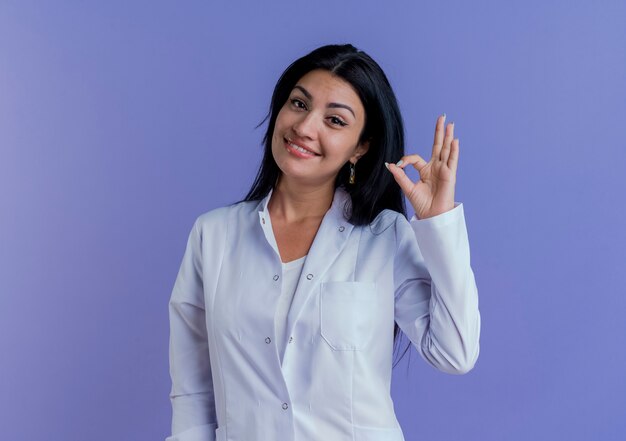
{"points": [[217, 219], [387, 221], [394, 227]]}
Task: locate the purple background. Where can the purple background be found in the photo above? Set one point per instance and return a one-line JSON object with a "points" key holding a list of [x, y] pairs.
{"points": [[120, 122]]}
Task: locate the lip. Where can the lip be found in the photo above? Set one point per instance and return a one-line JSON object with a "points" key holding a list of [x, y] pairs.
{"points": [[297, 152]]}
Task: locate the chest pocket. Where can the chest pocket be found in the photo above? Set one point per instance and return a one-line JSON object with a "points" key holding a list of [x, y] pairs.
{"points": [[348, 311]]}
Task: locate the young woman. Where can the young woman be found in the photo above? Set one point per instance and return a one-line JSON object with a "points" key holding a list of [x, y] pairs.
{"points": [[285, 310]]}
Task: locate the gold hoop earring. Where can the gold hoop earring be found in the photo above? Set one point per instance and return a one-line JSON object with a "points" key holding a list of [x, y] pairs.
{"points": [[352, 179]]}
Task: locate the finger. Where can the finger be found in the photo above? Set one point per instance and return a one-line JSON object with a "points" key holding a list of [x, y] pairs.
{"points": [[415, 159], [401, 178], [439, 134], [453, 160], [445, 150]]}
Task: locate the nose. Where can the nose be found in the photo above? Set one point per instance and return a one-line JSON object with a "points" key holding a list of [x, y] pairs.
{"points": [[305, 127]]}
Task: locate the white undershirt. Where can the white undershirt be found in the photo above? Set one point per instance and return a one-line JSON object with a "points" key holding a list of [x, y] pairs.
{"points": [[291, 274]]}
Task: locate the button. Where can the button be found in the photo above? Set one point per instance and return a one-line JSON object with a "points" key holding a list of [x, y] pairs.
{"points": [[309, 276], [268, 340], [285, 406], [263, 220], [341, 228], [290, 339], [276, 276]]}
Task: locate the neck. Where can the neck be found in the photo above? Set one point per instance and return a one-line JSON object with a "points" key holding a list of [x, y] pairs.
{"points": [[292, 202]]}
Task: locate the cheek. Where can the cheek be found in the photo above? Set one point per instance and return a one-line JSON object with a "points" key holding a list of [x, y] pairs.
{"points": [[343, 146], [279, 126], [282, 118]]}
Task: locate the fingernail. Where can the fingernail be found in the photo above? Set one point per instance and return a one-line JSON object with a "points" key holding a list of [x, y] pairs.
{"points": [[387, 165], [399, 163], [444, 115]]}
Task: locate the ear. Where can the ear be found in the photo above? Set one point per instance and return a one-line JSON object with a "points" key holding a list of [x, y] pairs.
{"points": [[360, 150]]}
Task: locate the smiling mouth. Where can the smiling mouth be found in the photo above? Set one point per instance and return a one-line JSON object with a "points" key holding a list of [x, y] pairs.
{"points": [[300, 149]]}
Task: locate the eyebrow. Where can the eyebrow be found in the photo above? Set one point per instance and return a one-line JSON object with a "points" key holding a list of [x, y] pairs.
{"points": [[330, 105]]}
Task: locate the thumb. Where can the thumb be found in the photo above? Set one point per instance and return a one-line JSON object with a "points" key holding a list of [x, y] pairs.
{"points": [[400, 176]]}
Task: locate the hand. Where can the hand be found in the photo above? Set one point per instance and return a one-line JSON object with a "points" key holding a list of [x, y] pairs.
{"points": [[433, 193]]}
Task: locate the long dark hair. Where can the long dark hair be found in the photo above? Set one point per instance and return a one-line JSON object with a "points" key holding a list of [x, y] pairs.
{"points": [[375, 188]]}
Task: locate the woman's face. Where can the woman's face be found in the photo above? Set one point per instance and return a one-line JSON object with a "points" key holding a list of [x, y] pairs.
{"points": [[317, 129]]}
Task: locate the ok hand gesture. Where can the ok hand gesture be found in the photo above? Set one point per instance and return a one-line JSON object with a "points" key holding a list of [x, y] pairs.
{"points": [[433, 193]]}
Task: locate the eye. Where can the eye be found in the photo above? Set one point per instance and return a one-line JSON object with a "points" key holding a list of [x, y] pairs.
{"points": [[299, 104], [338, 121]]}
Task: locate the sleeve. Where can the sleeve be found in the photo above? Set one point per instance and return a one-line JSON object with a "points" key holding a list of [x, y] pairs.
{"points": [[436, 298], [191, 396]]}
